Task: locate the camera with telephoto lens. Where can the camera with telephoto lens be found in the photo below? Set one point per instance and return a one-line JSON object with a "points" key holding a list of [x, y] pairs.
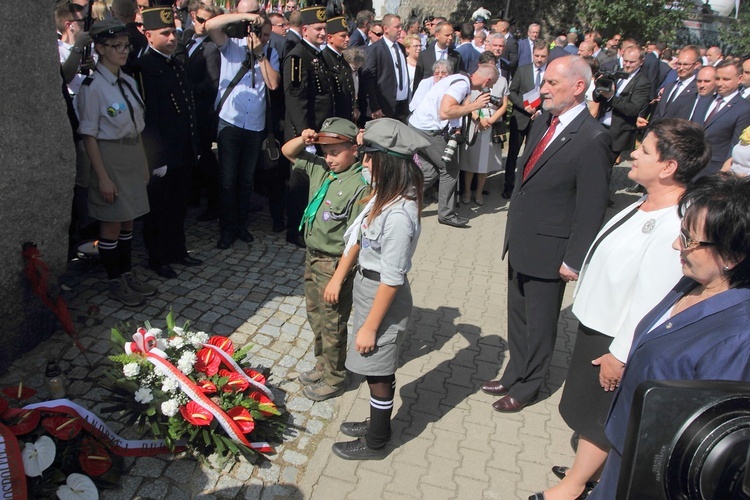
{"points": [[494, 100], [605, 80], [240, 29], [687, 440], [454, 139]]}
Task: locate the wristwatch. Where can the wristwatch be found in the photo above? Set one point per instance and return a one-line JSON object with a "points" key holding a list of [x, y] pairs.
{"points": [[261, 57], [77, 50]]}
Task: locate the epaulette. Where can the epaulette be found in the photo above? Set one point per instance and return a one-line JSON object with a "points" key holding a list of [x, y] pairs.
{"points": [[295, 74], [87, 80]]}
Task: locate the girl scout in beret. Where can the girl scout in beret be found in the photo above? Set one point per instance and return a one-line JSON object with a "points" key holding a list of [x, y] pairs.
{"points": [[385, 234], [111, 120]]}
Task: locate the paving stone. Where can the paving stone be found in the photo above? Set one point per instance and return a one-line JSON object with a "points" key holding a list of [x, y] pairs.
{"points": [[228, 487], [148, 467]]}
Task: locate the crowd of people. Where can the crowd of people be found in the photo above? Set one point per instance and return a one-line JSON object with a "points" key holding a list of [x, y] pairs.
{"points": [[345, 121]]}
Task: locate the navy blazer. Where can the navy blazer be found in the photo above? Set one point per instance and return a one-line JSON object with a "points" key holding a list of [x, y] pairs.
{"points": [[708, 341], [427, 59], [379, 79], [680, 107], [557, 210], [723, 130], [469, 57], [525, 55], [356, 39]]}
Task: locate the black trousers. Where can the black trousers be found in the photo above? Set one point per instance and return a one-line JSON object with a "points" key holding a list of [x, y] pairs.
{"points": [[533, 310], [516, 138], [164, 225]]}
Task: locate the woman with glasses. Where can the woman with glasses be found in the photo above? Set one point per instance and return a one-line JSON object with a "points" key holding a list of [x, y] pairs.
{"points": [[111, 120], [413, 46], [629, 268], [699, 331]]}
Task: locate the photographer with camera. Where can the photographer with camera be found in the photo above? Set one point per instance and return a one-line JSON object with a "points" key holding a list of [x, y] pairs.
{"points": [[438, 116], [249, 70], [623, 95]]}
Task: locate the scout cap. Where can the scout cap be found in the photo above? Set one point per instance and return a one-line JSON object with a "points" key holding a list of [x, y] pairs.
{"points": [[157, 18], [336, 25], [313, 15], [109, 28], [336, 131], [392, 137]]}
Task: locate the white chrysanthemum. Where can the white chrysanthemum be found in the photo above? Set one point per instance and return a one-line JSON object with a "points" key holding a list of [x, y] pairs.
{"points": [[143, 395], [177, 342], [170, 408], [169, 385], [178, 330], [156, 332], [186, 362], [200, 337], [131, 369]]}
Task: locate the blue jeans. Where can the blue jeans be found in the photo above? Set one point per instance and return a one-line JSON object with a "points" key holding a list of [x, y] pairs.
{"points": [[239, 153]]}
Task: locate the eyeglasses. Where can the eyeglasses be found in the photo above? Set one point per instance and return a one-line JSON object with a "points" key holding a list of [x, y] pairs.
{"points": [[377, 34], [120, 48], [200, 19], [689, 243]]}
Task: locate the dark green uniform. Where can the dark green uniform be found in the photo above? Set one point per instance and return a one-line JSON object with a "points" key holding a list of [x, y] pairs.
{"points": [[342, 84], [325, 244]]}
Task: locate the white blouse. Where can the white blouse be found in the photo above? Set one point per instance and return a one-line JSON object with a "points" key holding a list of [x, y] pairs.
{"points": [[631, 270]]}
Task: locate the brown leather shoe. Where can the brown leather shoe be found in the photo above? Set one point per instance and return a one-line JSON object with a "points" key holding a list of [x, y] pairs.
{"points": [[494, 388], [508, 404]]}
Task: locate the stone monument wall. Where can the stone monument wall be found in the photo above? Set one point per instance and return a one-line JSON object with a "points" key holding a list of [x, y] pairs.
{"points": [[38, 165]]}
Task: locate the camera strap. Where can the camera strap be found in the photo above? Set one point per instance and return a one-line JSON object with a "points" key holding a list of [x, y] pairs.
{"points": [[246, 65]]}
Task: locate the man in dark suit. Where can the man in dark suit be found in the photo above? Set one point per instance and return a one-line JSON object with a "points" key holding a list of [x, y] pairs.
{"points": [[723, 116], [526, 45], [294, 32], [171, 142], [672, 103], [202, 60], [622, 104], [745, 81], [559, 49], [441, 49], [469, 55], [557, 208], [527, 78], [385, 78], [510, 53], [496, 44], [339, 71], [279, 27], [359, 34]]}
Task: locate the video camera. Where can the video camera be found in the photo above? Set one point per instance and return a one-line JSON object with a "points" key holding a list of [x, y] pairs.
{"points": [[605, 80], [240, 29], [687, 439]]}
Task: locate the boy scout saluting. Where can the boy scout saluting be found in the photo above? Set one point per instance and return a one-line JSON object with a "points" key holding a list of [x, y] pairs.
{"points": [[336, 188]]}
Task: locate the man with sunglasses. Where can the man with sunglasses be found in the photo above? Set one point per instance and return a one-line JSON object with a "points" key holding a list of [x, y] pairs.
{"points": [[171, 142]]}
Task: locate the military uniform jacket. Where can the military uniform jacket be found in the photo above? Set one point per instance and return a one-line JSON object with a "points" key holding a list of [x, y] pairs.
{"points": [[307, 90], [342, 83], [170, 136], [340, 206]]}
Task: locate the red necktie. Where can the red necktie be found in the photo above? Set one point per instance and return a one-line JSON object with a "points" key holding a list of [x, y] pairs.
{"points": [[539, 149]]}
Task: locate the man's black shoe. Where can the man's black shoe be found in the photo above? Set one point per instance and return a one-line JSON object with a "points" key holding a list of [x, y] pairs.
{"points": [[507, 193], [455, 221], [164, 270], [225, 242], [188, 261], [244, 235], [296, 240]]}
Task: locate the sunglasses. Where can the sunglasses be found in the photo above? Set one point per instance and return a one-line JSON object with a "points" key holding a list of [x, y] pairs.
{"points": [[377, 34], [688, 243], [200, 19]]}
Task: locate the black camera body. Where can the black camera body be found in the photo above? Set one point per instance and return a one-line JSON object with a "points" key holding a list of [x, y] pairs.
{"points": [[240, 29], [605, 80], [687, 439], [494, 100]]}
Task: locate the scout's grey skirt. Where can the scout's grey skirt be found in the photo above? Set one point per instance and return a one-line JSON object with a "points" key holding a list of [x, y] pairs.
{"points": [[125, 163], [383, 360]]}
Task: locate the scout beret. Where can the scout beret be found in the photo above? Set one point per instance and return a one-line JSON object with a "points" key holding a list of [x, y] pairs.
{"points": [[392, 137], [336, 25], [313, 15], [157, 18], [101, 30], [337, 130]]}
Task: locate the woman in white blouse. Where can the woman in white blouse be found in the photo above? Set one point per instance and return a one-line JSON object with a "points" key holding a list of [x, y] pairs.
{"points": [[629, 268]]}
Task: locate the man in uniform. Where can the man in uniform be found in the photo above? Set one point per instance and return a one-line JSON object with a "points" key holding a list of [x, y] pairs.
{"points": [[342, 83], [336, 191], [308, 99], [171, 142]]}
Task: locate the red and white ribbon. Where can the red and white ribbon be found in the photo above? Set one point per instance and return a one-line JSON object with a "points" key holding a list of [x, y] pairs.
{"points": [[231, 363], [12, 477], [144, 342]]}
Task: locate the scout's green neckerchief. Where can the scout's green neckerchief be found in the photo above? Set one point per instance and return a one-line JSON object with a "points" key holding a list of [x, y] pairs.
{"points": [[312, 208]]}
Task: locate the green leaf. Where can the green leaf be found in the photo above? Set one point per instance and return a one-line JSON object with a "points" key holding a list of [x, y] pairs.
{"points": [[170, 321], [117, 337]]}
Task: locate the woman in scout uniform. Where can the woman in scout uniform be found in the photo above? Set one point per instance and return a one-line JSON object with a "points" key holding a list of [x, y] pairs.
{"points": [[111, 119], [336, 190], [384, 237]]}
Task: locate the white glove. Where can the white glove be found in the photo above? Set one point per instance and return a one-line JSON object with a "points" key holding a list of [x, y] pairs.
{"points": [[160, 172]]}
